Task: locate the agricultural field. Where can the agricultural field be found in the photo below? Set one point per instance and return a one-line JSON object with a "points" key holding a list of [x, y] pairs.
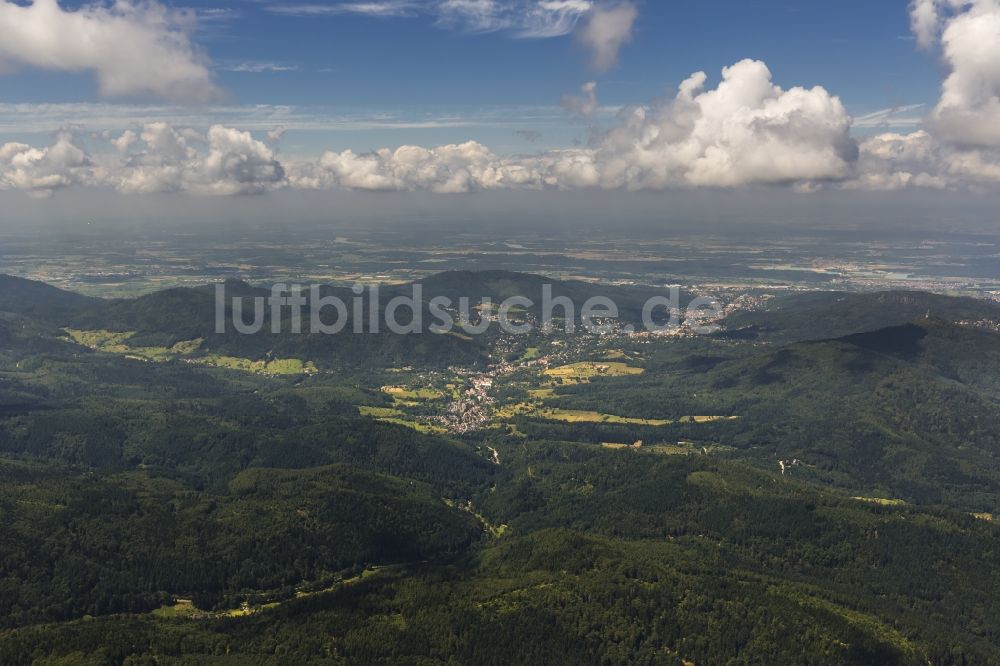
{"points": [[578, 416], [189, 351], [584, 371], [118, 343], [286, 366], [411, 394]]}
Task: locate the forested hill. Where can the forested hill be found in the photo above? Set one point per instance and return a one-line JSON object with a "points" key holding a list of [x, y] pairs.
{"points": [[28, 297], [821, 315], [911, 411]]}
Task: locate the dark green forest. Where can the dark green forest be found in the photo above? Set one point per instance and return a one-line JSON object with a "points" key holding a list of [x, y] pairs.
{"points": [[155, 509]]}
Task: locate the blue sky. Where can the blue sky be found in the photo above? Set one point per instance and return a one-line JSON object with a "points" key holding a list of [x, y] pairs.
{"points": [[860, 50], [489, 85]]}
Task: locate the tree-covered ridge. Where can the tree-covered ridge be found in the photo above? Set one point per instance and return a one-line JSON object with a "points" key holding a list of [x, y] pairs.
{"points": [[728, 563], [911, 411], [77, 545], [819, 315]]}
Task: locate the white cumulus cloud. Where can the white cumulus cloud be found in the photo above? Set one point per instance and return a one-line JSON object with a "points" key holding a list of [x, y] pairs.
{"points": [[159, 158], [746, 130], [40, 171], [925, 21], [231, 162], [134, 48], [968, 111], [894, 161], [959, 146], [465, 167]]}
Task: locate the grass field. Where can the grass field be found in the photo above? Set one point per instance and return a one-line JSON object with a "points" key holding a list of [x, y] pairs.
{"points": [[182, 608], [580, 416], [281, 366], [425, 428], [116, 342], [584, 371], [881, 501], [403, 393], [99, 339], [398, 417], [687, 448], [706, 419], [514, 409], [530, 354], [380, 412]]}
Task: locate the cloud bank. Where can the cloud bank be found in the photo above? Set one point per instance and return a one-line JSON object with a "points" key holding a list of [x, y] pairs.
{"points": [[745, 131]]}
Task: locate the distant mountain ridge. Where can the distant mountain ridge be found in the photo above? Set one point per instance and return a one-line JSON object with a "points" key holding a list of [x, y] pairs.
{"points": [[178, 314], [164, 318]]}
